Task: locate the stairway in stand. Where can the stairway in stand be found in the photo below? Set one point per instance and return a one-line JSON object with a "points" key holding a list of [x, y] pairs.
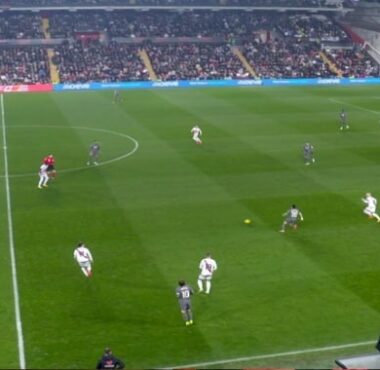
{"points": [[244, 61], [148, 65], [54, 74], [332, 66]]}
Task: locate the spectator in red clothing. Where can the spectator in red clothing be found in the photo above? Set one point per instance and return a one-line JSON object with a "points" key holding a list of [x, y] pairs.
{"points": [[50, 162]]}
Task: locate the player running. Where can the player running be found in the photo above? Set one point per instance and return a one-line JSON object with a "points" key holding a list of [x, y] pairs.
{"points": [[343, 120], [197, 133], [44, 177], [308, 153], [50, 162], [183, 293], [207, 266], [93, 154], [84, 258], [291, 218], [371, 203]]}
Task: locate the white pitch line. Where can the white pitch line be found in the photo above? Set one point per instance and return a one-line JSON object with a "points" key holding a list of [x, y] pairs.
{"points": [[109, 161], [16, 299], [355, 106], [273, 355]]}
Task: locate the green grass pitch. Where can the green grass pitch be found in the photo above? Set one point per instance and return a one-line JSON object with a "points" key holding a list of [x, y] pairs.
{"points": [[150, 217]]}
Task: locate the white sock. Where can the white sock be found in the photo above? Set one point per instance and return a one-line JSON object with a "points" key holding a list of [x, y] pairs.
{"points": [[208, 286], [84, 271], [376, 216], [200, 285]]}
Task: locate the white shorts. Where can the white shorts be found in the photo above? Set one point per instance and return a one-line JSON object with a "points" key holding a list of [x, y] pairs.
{"points": [[195, 137], [85, 264], [205, 277], [369, 210]]}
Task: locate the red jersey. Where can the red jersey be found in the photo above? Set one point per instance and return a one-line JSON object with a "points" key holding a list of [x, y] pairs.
{"points": [[49, 160]]}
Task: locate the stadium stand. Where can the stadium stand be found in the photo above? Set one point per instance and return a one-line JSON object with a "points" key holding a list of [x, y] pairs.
{"points": [[159, 23], [281, 59], [195, 61], [312, 28], [354, 63], [23, 65], [92, 61], [98, 45], [20, 26], [256, 3]]}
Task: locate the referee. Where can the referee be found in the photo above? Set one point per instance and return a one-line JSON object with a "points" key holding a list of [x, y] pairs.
{"points": [[109, 361]]}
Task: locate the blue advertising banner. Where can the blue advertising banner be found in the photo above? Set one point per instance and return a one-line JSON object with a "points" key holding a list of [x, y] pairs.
{"points": [[214, 83]]}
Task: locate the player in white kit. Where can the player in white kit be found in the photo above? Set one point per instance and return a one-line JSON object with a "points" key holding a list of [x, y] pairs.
{"points": [[197, 133], [207, 266], [371, 203], [44, 176], [84, 258], [292, 215]]}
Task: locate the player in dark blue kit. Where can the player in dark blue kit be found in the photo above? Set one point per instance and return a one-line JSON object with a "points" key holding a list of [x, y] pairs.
{"points": [[308, 153], [93, 155], [343, 120], [183, 293], [109, 361]]}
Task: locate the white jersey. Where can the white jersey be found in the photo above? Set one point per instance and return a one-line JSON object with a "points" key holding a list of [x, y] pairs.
{"points": [[207, 266], [43, 169], [294, 212], [370, 201], [196, 131], [82, 254]]}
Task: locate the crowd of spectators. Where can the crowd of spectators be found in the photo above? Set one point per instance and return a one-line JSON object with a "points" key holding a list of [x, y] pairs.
{"points": [[280, 59], [20, 26], [160, 23], [181, 45], [156, 23], [93, 61], [66, 24], [313, 28], [195, 61], [24, 65], [258, 3], [354, 63]]}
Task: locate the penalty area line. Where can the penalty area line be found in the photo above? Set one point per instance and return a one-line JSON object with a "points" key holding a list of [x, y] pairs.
{"points": [[354, 106], [273, 355], [16, 299]]}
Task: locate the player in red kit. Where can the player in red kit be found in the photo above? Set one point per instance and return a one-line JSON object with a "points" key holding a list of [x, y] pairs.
{"points": [[50, 162]]}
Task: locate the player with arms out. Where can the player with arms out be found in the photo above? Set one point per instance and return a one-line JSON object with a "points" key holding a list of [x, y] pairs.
{"points": [[183, 293], [197, 133], [207, 266], [84, 258], [93, 154], [291, 218], [371, 203], [50, 162], [308, 153], [44, 177], [343, 120]]}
